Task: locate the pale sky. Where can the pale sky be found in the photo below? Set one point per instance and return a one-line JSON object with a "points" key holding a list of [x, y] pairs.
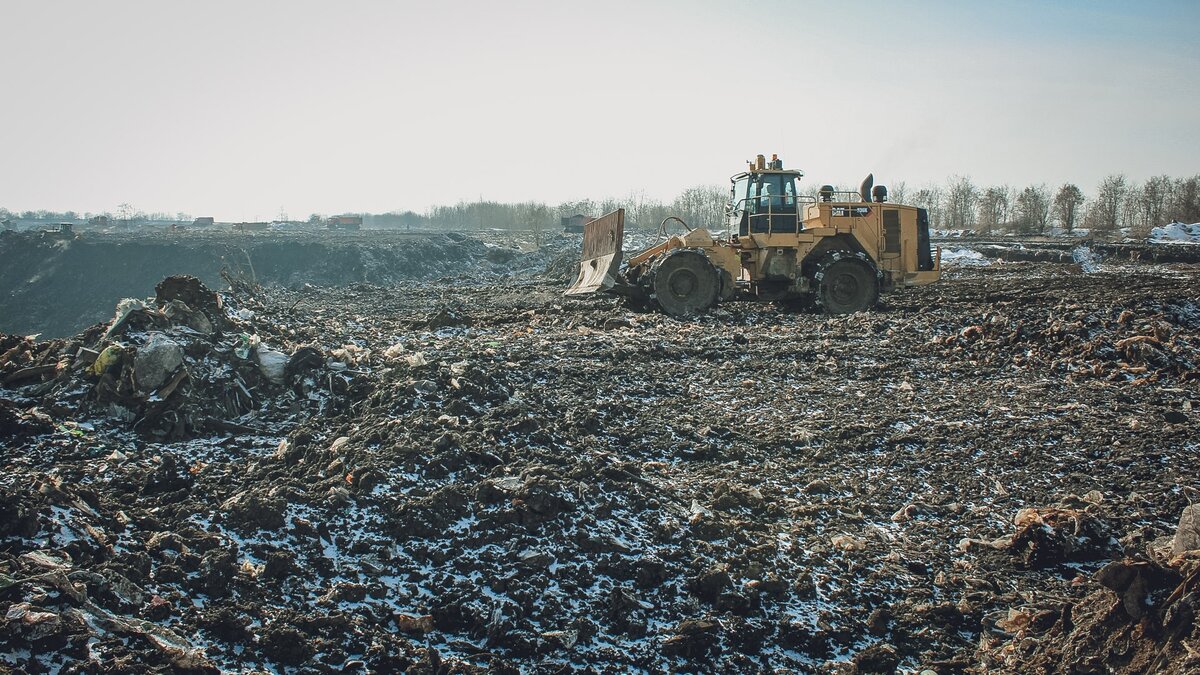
{"points": [[236, 109]]}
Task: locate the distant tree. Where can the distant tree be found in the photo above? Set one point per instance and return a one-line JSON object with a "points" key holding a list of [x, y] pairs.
{"points": [[1131, 216], [701, 206], [539, 219], [1152, 202], [584, 207], [1185, 201], [1104, 214], [409, 219], [1033, 209], [649, 214], [125, 213], [1067, 203], [609, 205], [993, 209], [961, 196], [930, 199], [898, 192]]}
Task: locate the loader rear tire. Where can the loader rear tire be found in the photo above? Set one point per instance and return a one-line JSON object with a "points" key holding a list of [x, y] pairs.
{"points": [[845, 285], [685, 283]]}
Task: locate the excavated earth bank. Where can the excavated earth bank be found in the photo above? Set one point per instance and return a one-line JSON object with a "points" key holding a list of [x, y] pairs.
{"points": [[479, 476], [58, 287]]}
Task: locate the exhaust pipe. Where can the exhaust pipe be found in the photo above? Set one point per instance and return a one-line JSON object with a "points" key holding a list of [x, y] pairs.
{"points": [[864, 190]]}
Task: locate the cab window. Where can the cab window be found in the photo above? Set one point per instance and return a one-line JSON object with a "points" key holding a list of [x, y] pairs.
{"points": [[775, 192]]}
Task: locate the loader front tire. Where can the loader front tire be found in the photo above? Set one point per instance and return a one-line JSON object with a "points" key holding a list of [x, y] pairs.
{"points": [[845, 285], [685, 283]]}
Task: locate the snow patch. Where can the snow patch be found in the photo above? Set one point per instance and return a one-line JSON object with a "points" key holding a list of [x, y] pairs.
{"points": [[1176, 233], [964, 257]]}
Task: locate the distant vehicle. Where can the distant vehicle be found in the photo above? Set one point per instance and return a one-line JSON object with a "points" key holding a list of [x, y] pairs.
{"points": [[841, 249], [203, 221], [60, 231], [344, 223], [574, 223]]}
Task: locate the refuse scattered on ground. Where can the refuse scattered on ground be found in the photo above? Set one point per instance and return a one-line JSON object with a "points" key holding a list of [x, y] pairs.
{"points": [[990, 474]]}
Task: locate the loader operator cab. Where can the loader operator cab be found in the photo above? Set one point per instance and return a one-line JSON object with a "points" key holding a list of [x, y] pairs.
{"points": [[764, 201]]}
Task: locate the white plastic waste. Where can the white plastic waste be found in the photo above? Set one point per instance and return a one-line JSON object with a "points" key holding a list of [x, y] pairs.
{"points": [[272, 364]]}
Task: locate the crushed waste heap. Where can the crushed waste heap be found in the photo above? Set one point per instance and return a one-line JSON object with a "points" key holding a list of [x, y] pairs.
{"points": [[992, 474]]}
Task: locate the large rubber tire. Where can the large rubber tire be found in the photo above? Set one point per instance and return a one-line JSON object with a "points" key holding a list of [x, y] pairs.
{"points": [[846, 283], [685, 283]]}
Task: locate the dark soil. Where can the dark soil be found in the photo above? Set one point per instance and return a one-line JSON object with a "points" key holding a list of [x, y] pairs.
{"points": [[471, 475]]}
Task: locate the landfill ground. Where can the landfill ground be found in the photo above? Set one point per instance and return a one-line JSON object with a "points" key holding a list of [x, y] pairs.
{"points": [[476, 474]]}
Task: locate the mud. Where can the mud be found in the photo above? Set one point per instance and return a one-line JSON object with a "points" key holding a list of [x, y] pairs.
{"points": [[483, 476]]}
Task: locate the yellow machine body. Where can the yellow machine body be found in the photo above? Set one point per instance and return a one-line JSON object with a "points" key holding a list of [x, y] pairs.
{"points": [[842, 249]]}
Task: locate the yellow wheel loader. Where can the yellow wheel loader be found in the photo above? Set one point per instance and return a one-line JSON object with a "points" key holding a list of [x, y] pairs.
{"points": [[839, 249]]}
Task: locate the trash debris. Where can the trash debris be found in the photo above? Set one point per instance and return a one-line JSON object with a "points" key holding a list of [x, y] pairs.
{"points": [[1050, 536], [272, 363], [107, 359], [156, 360], [987, 476], [1187, 533]]}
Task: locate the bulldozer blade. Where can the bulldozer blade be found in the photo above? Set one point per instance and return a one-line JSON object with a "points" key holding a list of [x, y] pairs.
{"points": [[602, 254]]}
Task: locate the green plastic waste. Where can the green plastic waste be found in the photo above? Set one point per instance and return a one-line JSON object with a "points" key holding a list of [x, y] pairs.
{"points": [[243, 350]]}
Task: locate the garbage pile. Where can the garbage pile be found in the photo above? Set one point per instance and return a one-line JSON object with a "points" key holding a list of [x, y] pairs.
{"points": [[470, 477], [1139, 616], [188, 363]]}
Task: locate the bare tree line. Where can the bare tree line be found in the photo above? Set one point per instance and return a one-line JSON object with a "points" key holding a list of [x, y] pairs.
{"points": [[1116, 203], [699, 206], [957, 204]]}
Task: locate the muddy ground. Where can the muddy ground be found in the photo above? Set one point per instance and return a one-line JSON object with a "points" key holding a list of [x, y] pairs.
{"points": [[483, 476]]}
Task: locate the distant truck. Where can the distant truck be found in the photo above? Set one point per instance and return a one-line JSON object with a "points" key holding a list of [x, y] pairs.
{"points": [[344, 223], [574, 223], [203, 221]]}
